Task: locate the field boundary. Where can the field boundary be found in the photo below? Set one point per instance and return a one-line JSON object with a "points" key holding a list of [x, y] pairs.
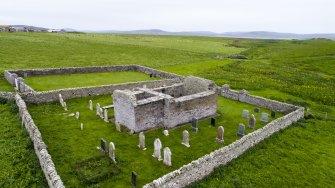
{"points": [[198, 169]]}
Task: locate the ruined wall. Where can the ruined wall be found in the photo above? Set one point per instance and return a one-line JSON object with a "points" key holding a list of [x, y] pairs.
{"points": [[10, 77], [7, 95], [258, 101], [149, 113], [94, 69], [124, 102], [51, 96], [176, 90], [182, 110], [198, 169], [194, 85], [47, 165], [22, 87]]}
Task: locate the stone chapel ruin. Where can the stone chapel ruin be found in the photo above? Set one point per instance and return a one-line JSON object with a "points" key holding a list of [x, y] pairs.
{"points": [[168, 106]]}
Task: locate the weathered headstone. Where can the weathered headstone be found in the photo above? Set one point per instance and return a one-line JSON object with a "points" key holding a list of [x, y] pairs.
{"points": [[195, 124], [241, 129], [77, 115], [186, 139], [112, 152], [101, 113], [157, 149], [273, 114], [167, 157], [118, 126], [103, 145], [256, 110], [91, 105], [61, 100], [134, 179], [265, 117], [106, 115], [212, 122], [81, 126], [141, 144], [97, 109], [16, 84], [65, 106], [252, 121], [166, 132], [245, 113], [219, 137]]}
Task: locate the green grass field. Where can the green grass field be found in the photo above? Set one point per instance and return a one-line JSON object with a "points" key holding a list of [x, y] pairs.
{"points": [[293, 71], [52, 82], [69, 145]]}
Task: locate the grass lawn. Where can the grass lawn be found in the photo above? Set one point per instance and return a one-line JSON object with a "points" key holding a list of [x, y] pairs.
{"points": [[68, 145], [53, 82], [5, 86]]}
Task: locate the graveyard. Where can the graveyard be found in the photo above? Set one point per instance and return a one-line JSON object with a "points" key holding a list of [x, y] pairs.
{"points": [[73, 147]]}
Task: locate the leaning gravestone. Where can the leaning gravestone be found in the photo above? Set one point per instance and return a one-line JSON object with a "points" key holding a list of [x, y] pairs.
{"points": [[256, 110], [65, 106], [77, 115], [219, 137], [157, 149], [97, 109], [141, 144], [134, 179], [212, 122], [241, 129], [106, 115], [103, 145], [245, 113], [101, 113], [112, 152], [273, 114], [167, 157], [186, 139], [195, 124], [265, 117], [252, 122], [91, 105]]}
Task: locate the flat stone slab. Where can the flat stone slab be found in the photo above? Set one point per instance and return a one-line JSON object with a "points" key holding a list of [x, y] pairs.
{"points": [[107, 107]]}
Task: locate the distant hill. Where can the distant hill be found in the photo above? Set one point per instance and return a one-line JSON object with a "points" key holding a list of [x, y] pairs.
{"points": [[253, 34]]}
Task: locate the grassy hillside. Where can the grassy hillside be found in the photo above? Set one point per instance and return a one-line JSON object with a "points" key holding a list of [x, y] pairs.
{"points": [[297, 72]]}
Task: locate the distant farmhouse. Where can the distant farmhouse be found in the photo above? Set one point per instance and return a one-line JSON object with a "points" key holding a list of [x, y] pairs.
{"points": [[25, 28]]}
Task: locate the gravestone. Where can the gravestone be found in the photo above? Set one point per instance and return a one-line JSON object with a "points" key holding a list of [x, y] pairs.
{"points": [[265, 117], [81, 126], [77, 115], [106, 115], [134, 179], [65, 106], [157, 149], [97, 109], [195, 124], [219, 137], [103, 146], [245, 113], [273, 114], [186, 139], [141, 144], [256, 110], [252, 122], [166, 132], [167, 156], [112, 152], [16, 84], [61, 100], [118, 126], [101, 113], [241, 129], [212, 122], [91, 105]]}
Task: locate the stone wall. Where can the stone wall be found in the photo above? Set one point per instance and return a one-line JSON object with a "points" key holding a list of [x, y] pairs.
{"points": [[7, 95], [243, 96], [40, 147], [51, 96], [20, 86], [198, 169], [93, 69]]}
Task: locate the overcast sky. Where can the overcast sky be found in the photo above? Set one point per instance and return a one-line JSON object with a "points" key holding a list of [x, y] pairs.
{"points": [[298, 16]]}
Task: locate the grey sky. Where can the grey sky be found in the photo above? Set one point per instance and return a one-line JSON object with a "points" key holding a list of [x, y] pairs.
{"points": [[299, 16]]}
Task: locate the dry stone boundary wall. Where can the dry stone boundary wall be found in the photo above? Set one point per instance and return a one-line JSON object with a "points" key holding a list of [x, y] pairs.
{"points": [[198, 169], [40, 147]]}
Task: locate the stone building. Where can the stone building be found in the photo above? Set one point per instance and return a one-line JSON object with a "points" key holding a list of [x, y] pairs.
{"points": [[167, 106]]}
